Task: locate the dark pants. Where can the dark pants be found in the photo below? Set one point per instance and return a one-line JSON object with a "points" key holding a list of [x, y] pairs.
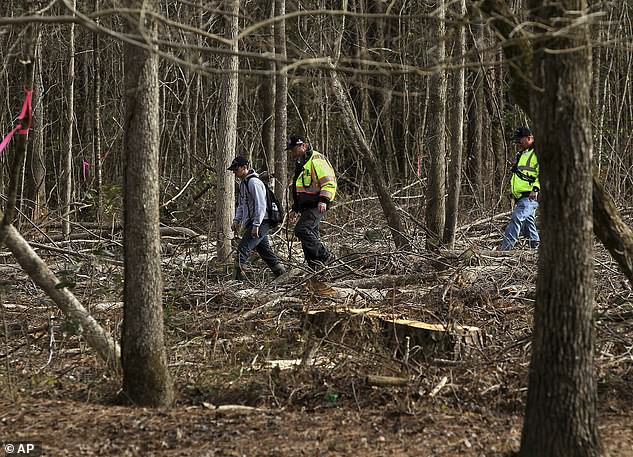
{"points": [[307, 230], [261, 245]]}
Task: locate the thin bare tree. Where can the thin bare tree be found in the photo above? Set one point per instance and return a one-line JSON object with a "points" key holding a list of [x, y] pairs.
{"points": [[225, 192], [454, 175], [281, 102], [436, 187], [67, 157]]}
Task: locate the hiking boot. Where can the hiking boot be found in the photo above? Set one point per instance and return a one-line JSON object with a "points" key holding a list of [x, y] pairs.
{"points": [[278, 269], [238, 274]]}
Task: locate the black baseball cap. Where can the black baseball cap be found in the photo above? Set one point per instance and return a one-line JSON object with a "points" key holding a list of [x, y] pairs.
{"points": [[238, 162], [521, 132], [294, 140]]}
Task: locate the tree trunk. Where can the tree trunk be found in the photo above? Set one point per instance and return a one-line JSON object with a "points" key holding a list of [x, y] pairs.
{"points": [[21, 135], [36, 162], [225, 204], [609, 227], [456, 134], [267, 94], [67, 156], [281, 101], [475, 129], [96, 128], [146, 378], [436, 188], [98, 339], [560, 416]]}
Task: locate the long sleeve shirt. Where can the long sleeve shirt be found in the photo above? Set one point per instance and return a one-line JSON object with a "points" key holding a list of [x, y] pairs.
{"points": [[251, 202]]}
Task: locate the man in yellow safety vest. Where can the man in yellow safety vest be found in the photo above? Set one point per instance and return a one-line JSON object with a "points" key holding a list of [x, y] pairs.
{"points": [[525, 187], [313, 190]]}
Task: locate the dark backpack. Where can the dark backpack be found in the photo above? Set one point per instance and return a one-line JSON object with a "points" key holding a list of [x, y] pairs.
{"points": [[274, 209]]}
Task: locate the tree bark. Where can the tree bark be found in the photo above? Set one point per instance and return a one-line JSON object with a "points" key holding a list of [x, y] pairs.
{"points": [[561, 417], [21, 136], [454, 178], [474, 163], [67, 157], [436, 187], [267, 97], [35, 174], [281, 102], [96, 128], [225, 191], [146, 378], [609, 227]]}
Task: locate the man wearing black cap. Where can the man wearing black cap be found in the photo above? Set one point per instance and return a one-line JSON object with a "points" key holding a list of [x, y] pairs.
{"points": [[313, 190], [525, 186], [251, 214]]}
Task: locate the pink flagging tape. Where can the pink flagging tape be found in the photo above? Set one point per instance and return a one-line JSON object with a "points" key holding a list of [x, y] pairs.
{"points": [[87, 165], [27, 110], [8, 137]]}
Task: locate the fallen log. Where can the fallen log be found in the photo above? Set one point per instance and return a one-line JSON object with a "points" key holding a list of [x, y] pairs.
{"points": [[105, 346]]}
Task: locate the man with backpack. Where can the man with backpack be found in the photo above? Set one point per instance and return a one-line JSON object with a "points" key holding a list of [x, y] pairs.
{"points": [[313, 190], [254, 216]]}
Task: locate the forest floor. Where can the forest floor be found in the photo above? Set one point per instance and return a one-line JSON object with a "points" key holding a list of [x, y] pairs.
{"points": [[333, 364]]}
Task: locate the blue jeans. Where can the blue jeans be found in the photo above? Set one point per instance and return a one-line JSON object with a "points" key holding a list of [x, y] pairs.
{"points": [[261, 245], [522, 222]]}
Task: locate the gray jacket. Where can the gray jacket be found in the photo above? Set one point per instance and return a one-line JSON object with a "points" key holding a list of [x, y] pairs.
{"points": [[251, 202]]}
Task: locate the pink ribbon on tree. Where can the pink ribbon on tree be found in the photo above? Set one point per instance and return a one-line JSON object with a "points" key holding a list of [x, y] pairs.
{"points": [[87, 165], [26, 110]]}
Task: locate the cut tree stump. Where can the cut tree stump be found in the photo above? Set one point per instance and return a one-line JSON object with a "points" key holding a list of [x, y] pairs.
{"points": [[413, 339]]}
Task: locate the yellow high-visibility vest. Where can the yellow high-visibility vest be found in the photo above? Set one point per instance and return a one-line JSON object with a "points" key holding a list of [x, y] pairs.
{"points": [[317, 179], [525, 174]]}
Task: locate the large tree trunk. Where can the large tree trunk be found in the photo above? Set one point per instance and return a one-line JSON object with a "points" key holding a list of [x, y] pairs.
{"points": [[561, 406], [436, 187], [560, 416], [146, 379], [225, 190]]}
